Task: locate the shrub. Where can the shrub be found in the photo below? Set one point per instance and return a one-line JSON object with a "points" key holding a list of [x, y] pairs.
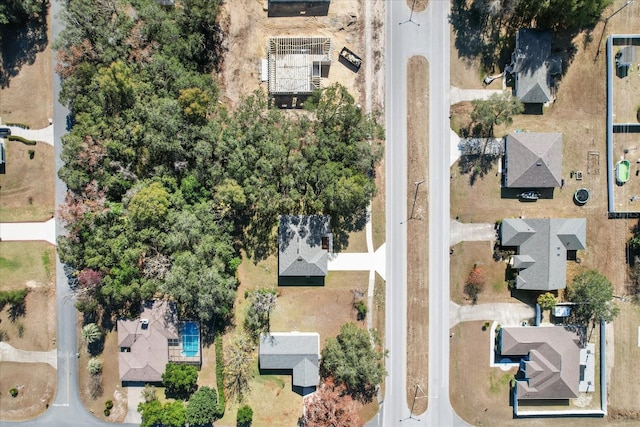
{"points": [[18, 125], [32, 154], [244, 416], [107, 412], [13, 392], [474, 284], [362, 309], [108, 404], [94, 366], [21, 139], [20, 327], [220, 375]]}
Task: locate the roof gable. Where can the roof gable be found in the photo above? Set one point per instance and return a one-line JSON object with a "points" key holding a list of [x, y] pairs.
{"points": [[300, 245], [552, 370], [296, 351], [542, 249], [534, 159], [530, 64]]}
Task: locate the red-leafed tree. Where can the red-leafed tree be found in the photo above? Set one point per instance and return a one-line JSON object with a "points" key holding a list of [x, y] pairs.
{"points": [[89, 278], [474, 284], [330, 406]]}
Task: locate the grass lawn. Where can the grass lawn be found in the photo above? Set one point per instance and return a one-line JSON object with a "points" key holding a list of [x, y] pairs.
{"points": [[36, 384], [625, 400], [27, 186], [25, 264]]}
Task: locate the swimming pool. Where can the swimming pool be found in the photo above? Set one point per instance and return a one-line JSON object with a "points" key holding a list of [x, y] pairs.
{"points": [[190, 339]]}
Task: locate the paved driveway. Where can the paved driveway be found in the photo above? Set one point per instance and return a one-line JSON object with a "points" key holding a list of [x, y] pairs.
{"points": [[506, 314], [11, 354], [471, 232]]}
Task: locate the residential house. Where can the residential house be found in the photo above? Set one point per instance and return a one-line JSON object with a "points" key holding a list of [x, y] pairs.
{"points": [[304, 246], [550, 363], [298, 352], [543, 247], [157, 337], [279, 8], [533, 67], [533, 160]]}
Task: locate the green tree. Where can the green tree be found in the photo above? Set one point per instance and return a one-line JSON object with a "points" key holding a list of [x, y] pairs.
{"points": [[150, 205], [117, 85], [497, 110], [547, 301], [202, 408], [173, 414], [148, 393], [244, 417], [151, 413], [91, 333], [180, 381], [352, 360], [592, 293], [257, 317], [195, 104]]}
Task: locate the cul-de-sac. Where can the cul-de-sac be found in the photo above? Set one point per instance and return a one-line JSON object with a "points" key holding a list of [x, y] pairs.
{"points": [[320, 213]]}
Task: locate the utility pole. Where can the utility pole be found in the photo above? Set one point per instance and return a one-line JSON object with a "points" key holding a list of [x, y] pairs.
{"points": [[415, 196], [606, 21], [410, 16], [415, 396]]}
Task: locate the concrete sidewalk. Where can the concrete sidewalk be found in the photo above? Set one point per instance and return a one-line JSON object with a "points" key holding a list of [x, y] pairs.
{"points": [[29, 231], [471, 232], [44, 135], [506, 314], [11, 354]]}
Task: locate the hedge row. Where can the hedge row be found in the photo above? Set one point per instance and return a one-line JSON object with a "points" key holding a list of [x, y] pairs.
{"points": [[219, 375], [18, 125], [21, 139]]}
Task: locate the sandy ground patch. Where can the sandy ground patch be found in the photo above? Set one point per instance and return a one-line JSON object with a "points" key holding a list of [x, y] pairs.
{"points": [[36, 384], [27, 186], [111, 386]]}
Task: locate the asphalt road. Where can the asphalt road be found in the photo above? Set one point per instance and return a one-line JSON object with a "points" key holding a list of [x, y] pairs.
{"points": [[427, 34]]}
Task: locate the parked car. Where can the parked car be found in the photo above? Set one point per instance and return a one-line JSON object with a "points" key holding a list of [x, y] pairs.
{"points": [[4, 132]]}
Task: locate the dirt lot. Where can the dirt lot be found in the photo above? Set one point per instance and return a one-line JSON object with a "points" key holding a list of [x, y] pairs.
{"points": [[111, 386], [29, 97], [36, 384], [27, 186], [418, 229], [29, 265]]}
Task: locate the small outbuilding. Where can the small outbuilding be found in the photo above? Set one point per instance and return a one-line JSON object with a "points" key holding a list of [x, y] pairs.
{"points": [[625, 58], [298, 352]]}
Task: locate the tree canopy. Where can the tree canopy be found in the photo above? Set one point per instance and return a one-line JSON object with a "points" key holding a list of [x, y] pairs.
{"points": [[166, 185], [202, 408], [592, 293], [180, 380], [330, 406], [498, 109], [352, 360]]}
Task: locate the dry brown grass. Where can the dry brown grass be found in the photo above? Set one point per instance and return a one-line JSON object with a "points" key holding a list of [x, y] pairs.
{"points": [[36, 384], [465, 256], [27, 188], [417, 229], [29, 97], [627, 360], [111, 385]]}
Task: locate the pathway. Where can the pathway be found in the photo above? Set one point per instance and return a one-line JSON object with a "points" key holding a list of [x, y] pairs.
{"points": [[361, 261], [29, 231], [44, 135], [459, 95], [12, 354], [503, 313], [471, 232]]}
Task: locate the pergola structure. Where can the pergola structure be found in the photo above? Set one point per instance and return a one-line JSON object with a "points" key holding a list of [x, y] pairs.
{"points": [[295, 64]]}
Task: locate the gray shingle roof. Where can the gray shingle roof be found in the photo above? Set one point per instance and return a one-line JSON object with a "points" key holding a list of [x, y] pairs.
{"points": [[300, 251], [296, 351], [542, 249], [530, 62], [553, 368], [534, 160], [627, 56]]}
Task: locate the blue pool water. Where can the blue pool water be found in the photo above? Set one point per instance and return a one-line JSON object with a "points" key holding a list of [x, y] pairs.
{"points": [[190, 339]]}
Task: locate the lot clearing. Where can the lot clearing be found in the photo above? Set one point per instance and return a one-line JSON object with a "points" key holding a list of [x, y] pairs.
{"points": [[28, 98], [29, 265], [27, 186], [36, 385]]}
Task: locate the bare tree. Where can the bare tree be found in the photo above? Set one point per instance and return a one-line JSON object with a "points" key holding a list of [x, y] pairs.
{"points": [[238, 366]]}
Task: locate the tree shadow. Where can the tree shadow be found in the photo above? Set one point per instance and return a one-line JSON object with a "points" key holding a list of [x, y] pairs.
{"points": [[20, 43]]}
